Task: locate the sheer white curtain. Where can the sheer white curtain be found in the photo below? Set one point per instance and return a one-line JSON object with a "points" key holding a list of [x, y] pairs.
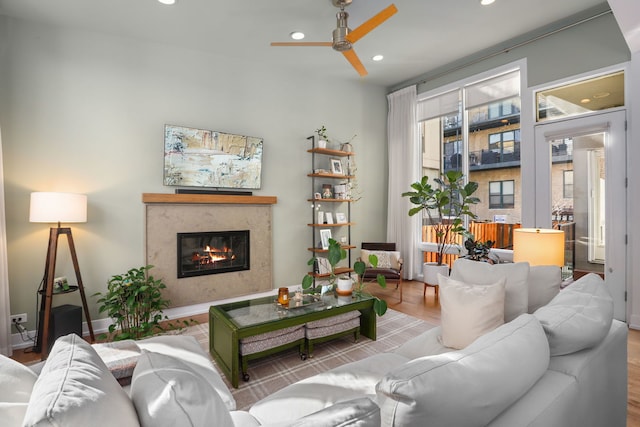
{"points": [[404, 169], [5, 309]]}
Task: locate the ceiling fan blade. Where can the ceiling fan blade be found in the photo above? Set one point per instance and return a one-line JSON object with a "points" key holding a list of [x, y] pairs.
{"points": [[355, 61], [372, 23], [301, 44]]}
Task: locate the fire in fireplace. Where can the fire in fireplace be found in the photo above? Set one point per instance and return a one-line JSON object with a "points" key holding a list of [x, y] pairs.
{"points": [[212, 252]]}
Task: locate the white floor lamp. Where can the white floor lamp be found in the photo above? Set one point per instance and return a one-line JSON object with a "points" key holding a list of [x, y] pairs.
{"points": [[57, 208]]}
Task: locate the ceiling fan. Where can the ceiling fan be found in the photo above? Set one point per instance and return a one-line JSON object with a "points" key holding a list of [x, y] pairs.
{"points": [[344, 38]]}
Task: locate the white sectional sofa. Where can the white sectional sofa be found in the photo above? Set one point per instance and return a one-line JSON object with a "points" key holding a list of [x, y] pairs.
{"points": [[559, 360]]}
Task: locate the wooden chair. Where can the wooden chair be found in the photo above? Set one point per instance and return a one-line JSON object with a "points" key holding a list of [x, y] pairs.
{"points": [[392, 272]]}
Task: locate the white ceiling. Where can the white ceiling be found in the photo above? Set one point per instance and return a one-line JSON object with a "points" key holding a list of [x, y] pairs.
{"points": [[423, 36]]}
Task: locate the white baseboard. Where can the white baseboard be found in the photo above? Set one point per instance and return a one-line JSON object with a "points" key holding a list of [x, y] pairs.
{"points": [[634, 321], [101, 326]]}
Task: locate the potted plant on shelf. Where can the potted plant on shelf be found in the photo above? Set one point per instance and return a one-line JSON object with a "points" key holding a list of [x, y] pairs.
{"points": [[344, 284], [134, 302], [323, 139], [446, 205]]}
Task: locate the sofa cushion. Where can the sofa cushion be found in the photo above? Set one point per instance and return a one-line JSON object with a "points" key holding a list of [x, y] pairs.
{"points": [[468, 310], [386, 259], [16, 384], [360, 412], [544, 284], [187, 349], [578, 317], [349, 381], [75, 388], [482, 273], [427, 343], [468, 387], [167, 392]]}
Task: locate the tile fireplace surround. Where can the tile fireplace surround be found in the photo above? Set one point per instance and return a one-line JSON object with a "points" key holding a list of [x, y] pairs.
{"points": [[169, 214]]}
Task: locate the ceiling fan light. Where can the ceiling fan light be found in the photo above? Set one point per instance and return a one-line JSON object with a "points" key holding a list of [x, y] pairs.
{"points": [[297, 35], [377, 57]]}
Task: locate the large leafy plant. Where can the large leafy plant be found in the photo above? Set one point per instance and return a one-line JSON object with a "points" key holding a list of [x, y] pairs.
{"points": [[134, 302], [446, 204], [337, 253]]}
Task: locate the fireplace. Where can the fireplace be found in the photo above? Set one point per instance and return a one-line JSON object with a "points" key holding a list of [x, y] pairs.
{"points": [[212, 252]]}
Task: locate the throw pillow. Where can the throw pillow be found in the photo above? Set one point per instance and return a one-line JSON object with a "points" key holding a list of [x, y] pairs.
{"points": [[386, 259], [469, 311], [578, 317], [516, 285], [167, 392], [17, 381], [16, 384], [544, 284], [75, 388]]}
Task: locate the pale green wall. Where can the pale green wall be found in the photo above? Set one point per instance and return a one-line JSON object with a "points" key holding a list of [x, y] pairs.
{"points": [[84, 112]]}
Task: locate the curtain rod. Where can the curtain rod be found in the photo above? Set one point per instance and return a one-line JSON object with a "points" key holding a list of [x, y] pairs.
{"points": [[510, 48]]}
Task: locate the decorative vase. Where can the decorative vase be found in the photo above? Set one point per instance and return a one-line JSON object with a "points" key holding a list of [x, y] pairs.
{"points": [[345, 286], [346, 147], [322, 143], [430, 271]]}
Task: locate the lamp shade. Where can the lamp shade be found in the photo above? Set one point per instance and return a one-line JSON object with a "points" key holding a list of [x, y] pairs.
{"points": [[58, 207], [538, 246]]}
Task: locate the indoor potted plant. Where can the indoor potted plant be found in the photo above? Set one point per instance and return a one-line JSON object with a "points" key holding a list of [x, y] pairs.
{"points": [[134, 302], [323, 139], [446, 205], [336, 254], [480, 251]]}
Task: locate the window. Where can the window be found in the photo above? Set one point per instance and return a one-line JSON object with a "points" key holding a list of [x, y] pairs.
{"points": [[567, 184], [501, 194], [505, 142]]}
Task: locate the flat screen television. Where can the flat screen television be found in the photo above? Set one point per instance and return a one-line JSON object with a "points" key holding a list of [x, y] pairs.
{"points": [[211, 159]]}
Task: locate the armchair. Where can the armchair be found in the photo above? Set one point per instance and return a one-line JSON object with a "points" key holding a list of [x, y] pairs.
{"points": [[389, 263]]}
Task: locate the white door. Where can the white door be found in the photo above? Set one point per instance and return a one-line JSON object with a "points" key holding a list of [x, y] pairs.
{"points": [[581, 188]]}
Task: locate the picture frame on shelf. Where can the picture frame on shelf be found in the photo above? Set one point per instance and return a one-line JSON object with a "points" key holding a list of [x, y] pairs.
{"points": [[341, 218], [320, 217], [325, 235], [336, 167], [323, 265], [317, 196], [327, 191], [329, 217]]}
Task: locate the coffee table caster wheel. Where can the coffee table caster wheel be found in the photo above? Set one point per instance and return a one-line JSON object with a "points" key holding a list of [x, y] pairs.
{"points": [[303, 356], [245, 377]]}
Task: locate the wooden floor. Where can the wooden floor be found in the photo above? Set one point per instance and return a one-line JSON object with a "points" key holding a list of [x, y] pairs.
{"points": [[427, 308]]}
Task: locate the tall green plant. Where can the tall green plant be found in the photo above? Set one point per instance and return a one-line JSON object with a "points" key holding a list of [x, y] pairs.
{"points": [[446, 205], [134, 302]]}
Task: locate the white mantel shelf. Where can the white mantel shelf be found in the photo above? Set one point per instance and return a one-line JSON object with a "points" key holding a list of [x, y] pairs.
{"points": [[208, 199]]}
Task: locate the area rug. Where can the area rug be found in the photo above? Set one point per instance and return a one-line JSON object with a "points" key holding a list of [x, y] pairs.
{"points": [[274, 372]]}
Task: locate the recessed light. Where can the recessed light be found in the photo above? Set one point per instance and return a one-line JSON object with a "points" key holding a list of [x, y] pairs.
{"points": [[486, 2], [377, 57], [167, 1], [297, 35], [585, 101]]}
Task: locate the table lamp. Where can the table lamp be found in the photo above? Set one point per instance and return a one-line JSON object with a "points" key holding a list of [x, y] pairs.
{"points": [[57, 208], [538, 246]]}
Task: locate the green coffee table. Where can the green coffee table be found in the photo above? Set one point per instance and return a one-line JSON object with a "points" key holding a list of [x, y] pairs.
{"points": [[229, 323]]}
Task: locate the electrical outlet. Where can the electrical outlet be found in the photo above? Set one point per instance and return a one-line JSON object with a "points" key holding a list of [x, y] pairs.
{"points": [[18, 318]]}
